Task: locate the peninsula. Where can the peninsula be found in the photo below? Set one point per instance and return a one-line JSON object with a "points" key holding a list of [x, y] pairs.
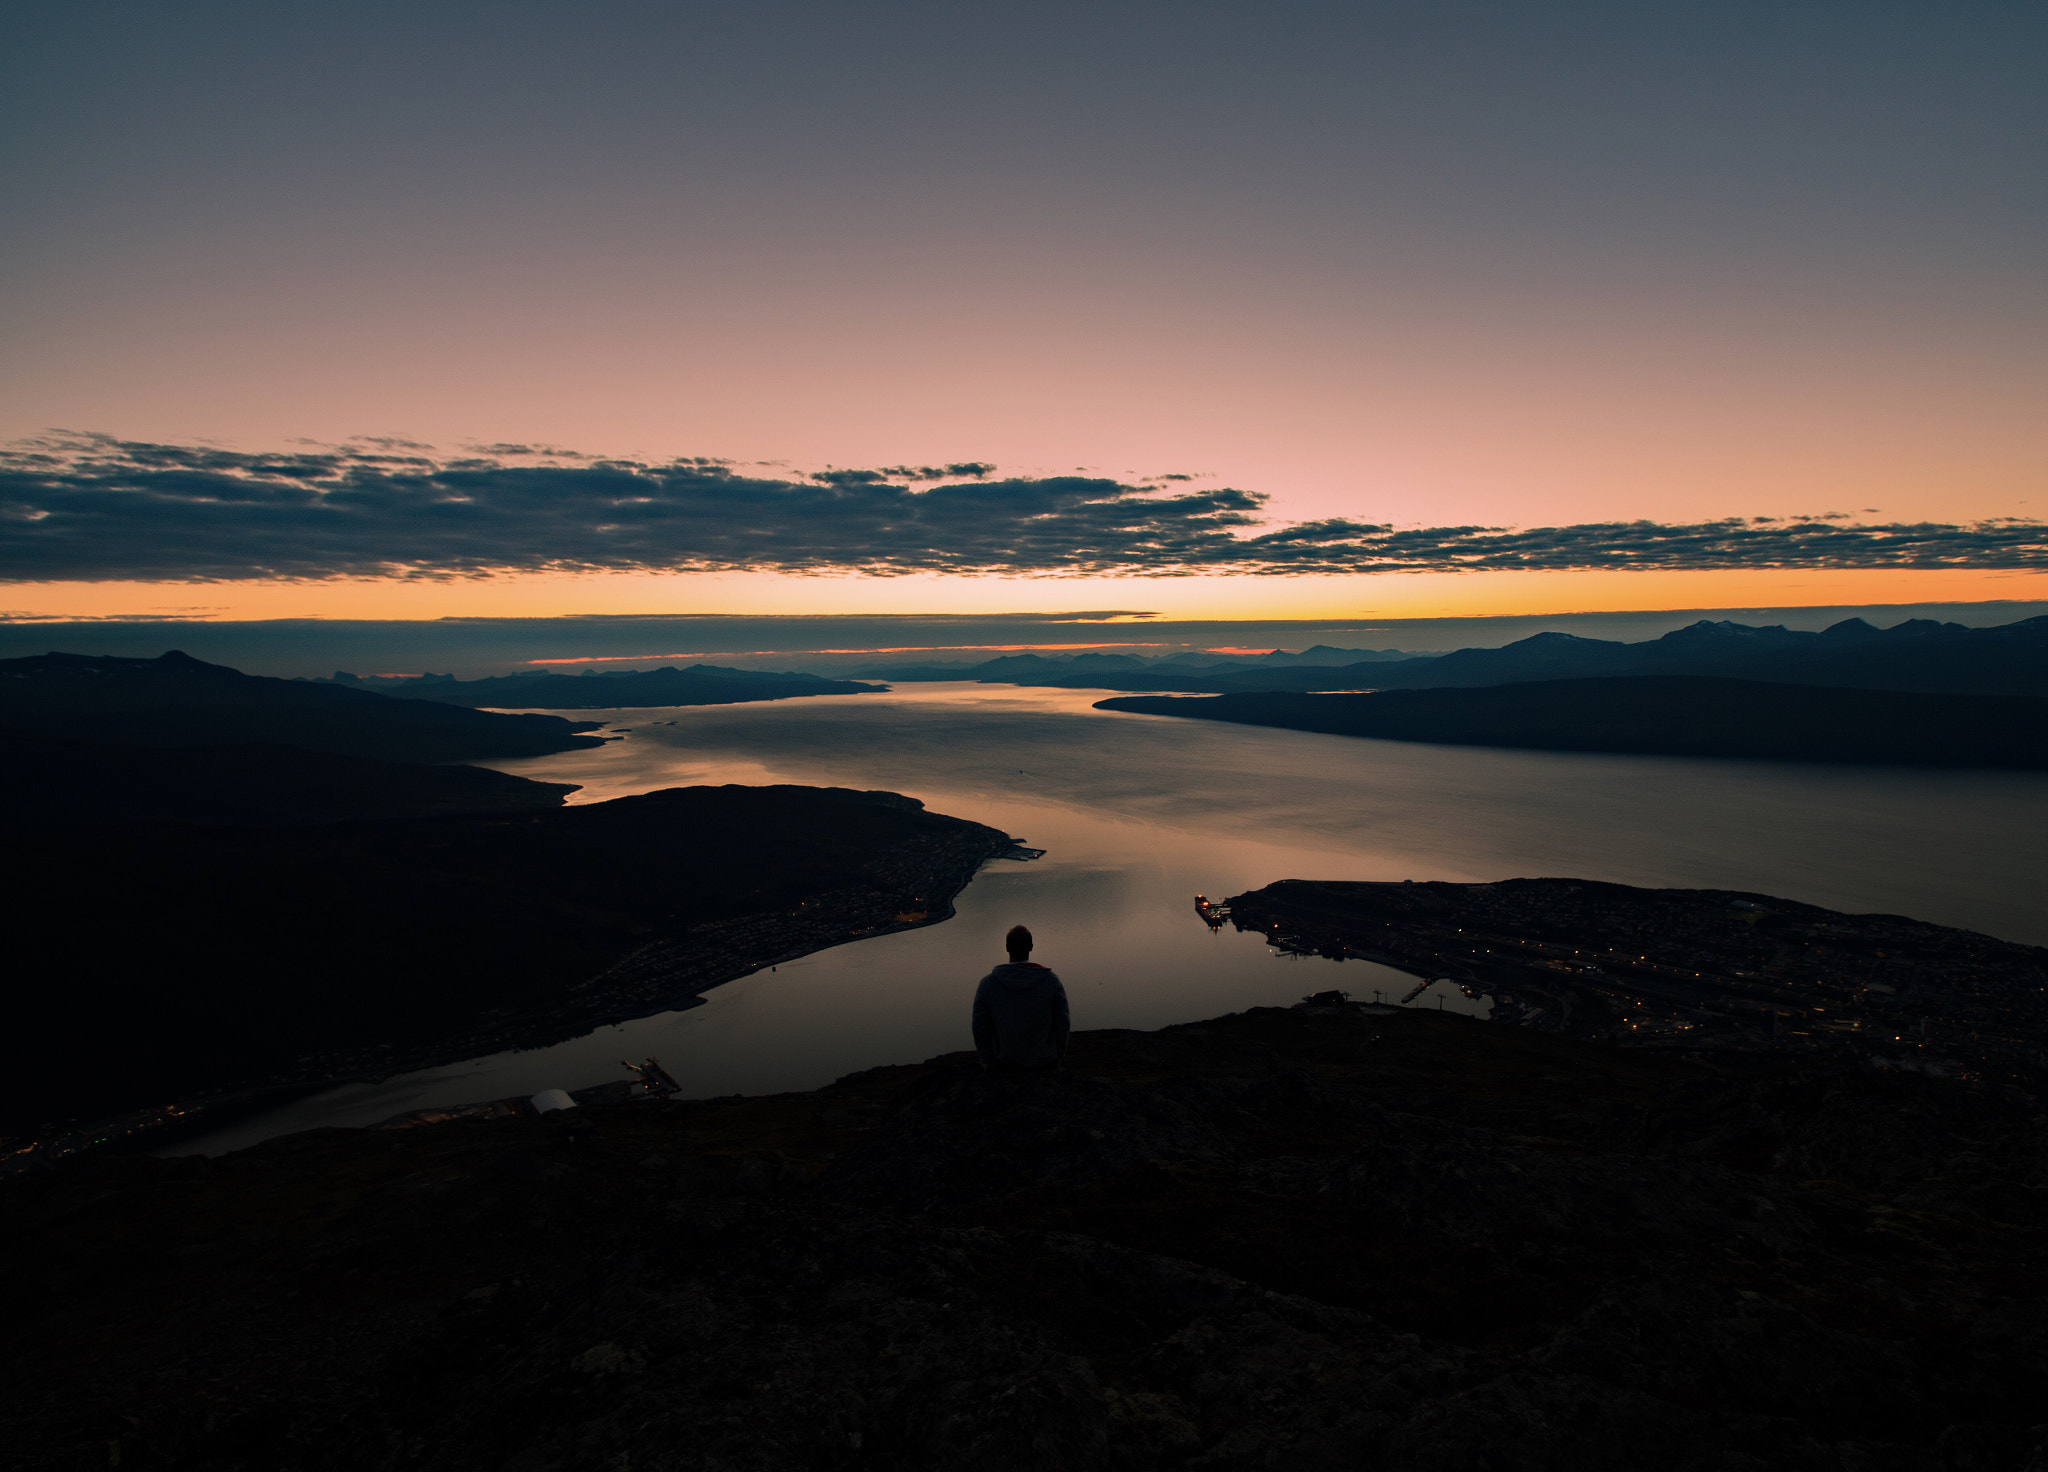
{"points": [[1689, 970], [202, 963], [699, 684], [1662, 715]]}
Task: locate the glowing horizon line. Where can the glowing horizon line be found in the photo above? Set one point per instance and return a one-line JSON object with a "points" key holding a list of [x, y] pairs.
{"points": [[890, 649]]}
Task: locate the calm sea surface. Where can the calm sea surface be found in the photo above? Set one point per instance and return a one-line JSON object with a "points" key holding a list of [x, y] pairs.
{"points": [[1139, 813]]}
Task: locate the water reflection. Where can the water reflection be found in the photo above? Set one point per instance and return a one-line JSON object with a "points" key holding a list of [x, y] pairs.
{"points": [[1139, 813]]}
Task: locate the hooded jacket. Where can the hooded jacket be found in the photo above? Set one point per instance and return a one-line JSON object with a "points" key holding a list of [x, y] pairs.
{"points": [[1020, 1016]]}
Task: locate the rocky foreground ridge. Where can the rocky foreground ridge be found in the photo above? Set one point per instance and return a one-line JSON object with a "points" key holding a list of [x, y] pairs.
{"points": [[1325, 1236]]}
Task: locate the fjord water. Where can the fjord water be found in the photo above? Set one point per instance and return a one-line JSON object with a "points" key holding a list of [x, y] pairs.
{"points": [[1139, 813]]}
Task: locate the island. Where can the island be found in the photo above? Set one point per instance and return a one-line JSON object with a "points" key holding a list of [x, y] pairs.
{"points": [[1661, 715], [1324, 1236], [698, 684]]}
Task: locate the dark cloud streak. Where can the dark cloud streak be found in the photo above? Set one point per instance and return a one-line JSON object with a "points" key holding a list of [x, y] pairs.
{"points": [[96, 508]]}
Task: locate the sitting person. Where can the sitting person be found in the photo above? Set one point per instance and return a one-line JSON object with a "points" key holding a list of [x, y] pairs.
{"points": [[1020, 1011]]}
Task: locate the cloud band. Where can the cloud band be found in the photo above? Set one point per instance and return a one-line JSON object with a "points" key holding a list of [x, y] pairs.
{"points": [[90, 507]]}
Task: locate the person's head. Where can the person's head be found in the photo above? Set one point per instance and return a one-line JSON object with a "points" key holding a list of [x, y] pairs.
{"points": [[1018, 943]]}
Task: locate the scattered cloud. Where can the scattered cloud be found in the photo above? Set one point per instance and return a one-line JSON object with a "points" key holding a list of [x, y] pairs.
{"points": [[509, 451], [849, 477], [91, 507], [388, 442], [977, 469]]}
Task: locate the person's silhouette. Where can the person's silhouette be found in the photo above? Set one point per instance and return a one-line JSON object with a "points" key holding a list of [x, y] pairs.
{"points": [[1020, 1011]]}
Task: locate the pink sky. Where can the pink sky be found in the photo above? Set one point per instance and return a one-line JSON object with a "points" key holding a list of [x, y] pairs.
{"points": [[1575, 264]]}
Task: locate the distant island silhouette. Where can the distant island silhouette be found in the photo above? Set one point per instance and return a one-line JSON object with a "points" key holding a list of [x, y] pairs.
{"points": [[699, 684], [1078, 670], [1659, 715]]}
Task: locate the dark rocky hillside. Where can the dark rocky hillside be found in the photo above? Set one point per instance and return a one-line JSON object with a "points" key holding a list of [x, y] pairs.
{"points": [[1325, 1237], [175, 700], [69, 783]]}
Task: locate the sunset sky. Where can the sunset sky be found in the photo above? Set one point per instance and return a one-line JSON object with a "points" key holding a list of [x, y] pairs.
{"points": [[1099, 291]]}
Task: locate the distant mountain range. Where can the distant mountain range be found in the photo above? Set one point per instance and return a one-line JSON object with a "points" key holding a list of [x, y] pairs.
{"points": [[700, 684], [1672, 715], [176, 700], [1919, 655], [1059, 669]]}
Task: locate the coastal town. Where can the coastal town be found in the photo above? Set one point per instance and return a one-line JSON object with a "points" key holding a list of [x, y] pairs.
{"points": [[1687, 970]]}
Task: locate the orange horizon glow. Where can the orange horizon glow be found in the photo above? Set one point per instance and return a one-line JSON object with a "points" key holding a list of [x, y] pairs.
{"points": [[1315, 598], [886, 649]]}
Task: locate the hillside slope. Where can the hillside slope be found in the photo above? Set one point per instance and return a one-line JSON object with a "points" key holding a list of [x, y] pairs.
{"points": [[77, 783], [175, 700], [1318, 1238]]}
